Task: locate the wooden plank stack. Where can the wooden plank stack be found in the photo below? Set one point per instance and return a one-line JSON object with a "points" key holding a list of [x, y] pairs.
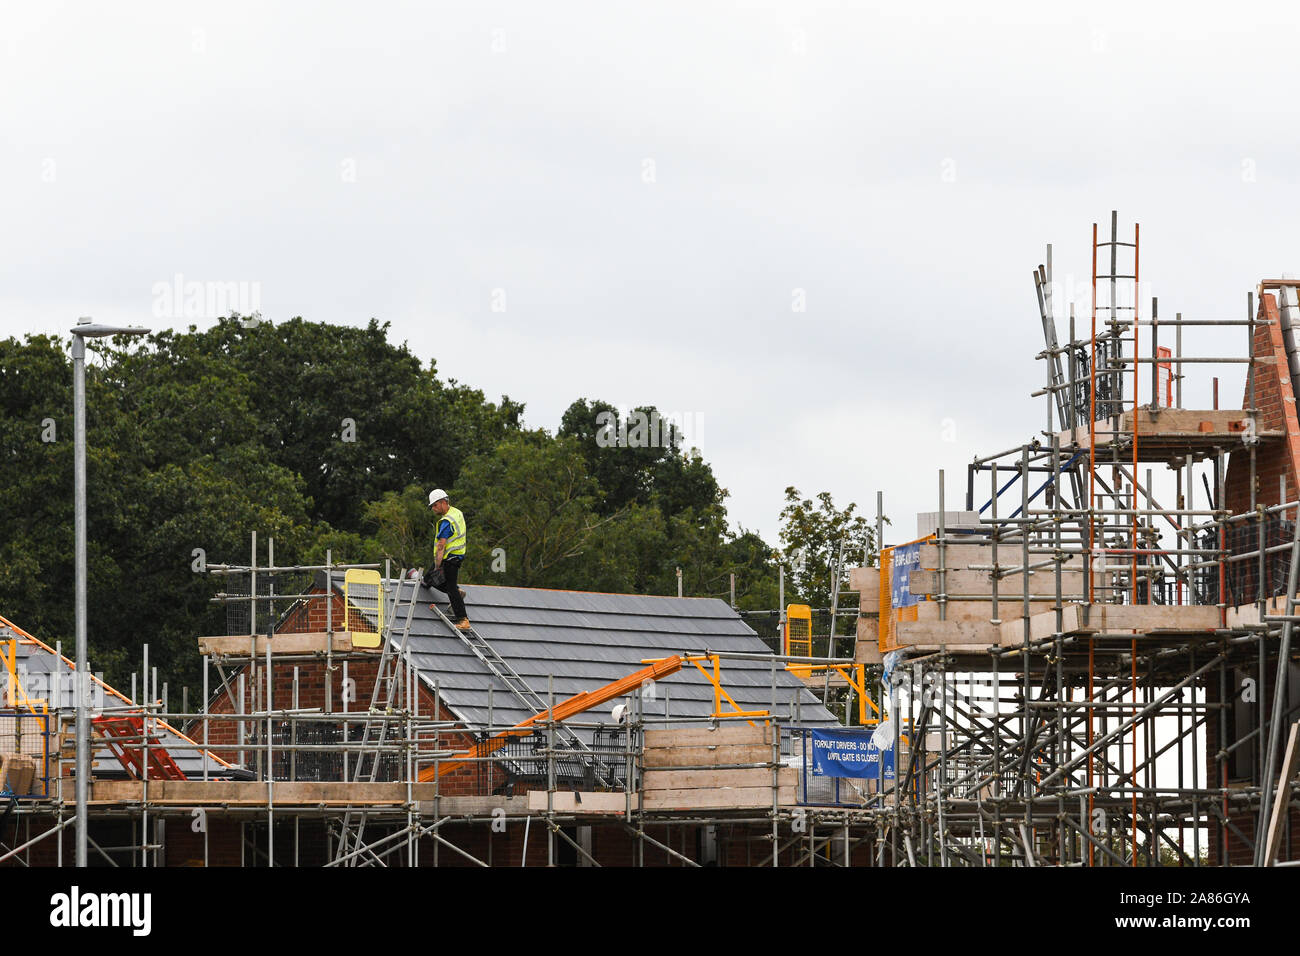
{"points": [[723, 768]]}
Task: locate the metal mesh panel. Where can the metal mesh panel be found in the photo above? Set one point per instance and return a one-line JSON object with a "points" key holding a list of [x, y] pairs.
{"points": [[1109, 384], [322, 765], [524, 760], [279, 596], [799, 631], [364, 597], [28, 735], [1240, 576]]}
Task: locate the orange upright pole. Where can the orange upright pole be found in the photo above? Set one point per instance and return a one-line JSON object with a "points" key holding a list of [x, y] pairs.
{"points": [[1133, 650], [1092, 494], [1092, 411]]}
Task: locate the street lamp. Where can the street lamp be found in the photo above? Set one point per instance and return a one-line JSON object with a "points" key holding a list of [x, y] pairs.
{"points": [[83, 330]]}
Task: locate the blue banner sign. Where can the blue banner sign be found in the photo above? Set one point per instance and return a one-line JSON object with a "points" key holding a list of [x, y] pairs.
{"points": [[907, 557], [849, 753]]}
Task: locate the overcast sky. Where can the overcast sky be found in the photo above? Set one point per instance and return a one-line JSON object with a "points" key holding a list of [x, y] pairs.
{"points": [[633, 202]]}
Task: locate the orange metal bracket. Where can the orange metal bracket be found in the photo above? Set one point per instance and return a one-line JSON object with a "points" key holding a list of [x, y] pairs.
{"points": [[719, 692], [567, 708], [20, 699], [847, 671]]}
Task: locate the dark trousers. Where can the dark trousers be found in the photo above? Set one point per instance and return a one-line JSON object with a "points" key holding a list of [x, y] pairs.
{"points": [[451, 571]]}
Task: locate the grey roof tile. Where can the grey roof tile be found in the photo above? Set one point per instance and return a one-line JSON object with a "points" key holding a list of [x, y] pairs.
{"points": [[579, 641]]}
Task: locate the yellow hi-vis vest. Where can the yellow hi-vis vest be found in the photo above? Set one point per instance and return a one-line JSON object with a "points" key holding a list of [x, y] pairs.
{"points": [[456, 543]]}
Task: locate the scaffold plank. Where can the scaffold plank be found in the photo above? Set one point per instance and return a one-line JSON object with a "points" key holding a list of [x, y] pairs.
{"points": [[664, 757], [306, 642], [709, 779], [909, 633], [736, 734], [566, 801], [1041, 582], [729, 799], [254, 793]]}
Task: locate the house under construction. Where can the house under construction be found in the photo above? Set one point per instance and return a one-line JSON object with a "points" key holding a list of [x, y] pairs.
{"points": [[1088, 662]]}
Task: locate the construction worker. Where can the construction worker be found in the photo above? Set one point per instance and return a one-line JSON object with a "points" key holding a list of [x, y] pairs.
{"points": [[448, 554]]}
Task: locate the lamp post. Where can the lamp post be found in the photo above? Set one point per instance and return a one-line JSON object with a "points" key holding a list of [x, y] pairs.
{"points": [[83, 330]]}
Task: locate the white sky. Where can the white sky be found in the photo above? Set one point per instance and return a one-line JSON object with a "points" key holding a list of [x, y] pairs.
{"points": [[904, 169]]}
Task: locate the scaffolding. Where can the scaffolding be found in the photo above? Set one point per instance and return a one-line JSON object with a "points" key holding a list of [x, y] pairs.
{"points": [[1099, 672], [527, 803], [1126, 695], [402, 782]]}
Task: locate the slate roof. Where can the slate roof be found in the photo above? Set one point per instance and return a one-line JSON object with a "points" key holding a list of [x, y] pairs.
{"points": [[40, 662], [582, 640]]}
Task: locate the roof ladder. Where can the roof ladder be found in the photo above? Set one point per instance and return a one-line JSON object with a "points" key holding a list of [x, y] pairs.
{"points": [[1065, 389], [140, 752], [501, 669]]}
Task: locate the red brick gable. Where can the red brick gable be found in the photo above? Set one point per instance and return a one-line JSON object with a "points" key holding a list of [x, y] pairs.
{"points": [[1276, 402]]}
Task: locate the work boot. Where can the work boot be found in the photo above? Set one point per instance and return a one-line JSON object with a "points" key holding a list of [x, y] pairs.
{"points": [[463, 624]]}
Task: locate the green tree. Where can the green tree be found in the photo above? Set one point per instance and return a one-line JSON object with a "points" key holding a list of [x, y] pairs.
{"points": [[404, 528], [811, 535], [36, 571], [638, 461], [351, 413], [637, 457], [622, 469], [533, 497], [194, 440], [324, 437], [159, 486]]}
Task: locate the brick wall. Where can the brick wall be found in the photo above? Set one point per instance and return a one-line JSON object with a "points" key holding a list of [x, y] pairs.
{"points": [[319, 686], [1277, 412], [312, 680], [316, 615]]}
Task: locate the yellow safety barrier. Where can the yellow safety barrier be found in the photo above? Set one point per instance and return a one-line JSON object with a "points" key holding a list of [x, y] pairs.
{"points": [[798, 636], [363, 595], [32, 743], [885, 632]]}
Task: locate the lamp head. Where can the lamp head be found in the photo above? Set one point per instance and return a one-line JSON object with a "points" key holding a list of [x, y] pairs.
{"points": [[92, 330]]}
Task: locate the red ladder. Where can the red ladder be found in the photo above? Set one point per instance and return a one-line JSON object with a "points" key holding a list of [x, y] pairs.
{"points": [[117, 730]]}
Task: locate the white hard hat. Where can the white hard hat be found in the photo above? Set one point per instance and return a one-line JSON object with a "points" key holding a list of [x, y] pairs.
{"points": [[436, 495]]}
